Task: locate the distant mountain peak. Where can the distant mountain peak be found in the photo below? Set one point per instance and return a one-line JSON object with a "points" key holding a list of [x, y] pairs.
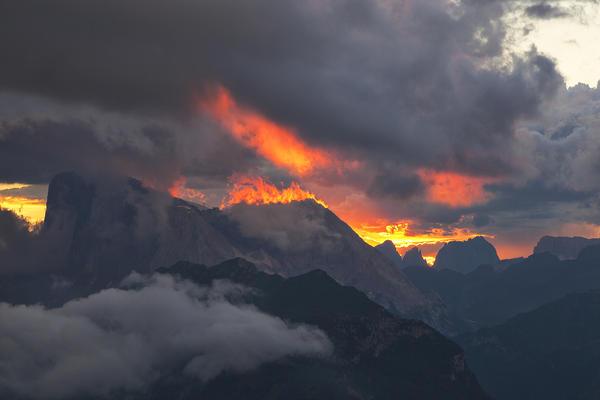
{"points": [[414, 257], [388, 249], [565, 248], [466, 256]]}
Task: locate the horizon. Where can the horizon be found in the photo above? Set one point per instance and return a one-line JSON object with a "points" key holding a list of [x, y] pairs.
{"points": [[258, 191]]}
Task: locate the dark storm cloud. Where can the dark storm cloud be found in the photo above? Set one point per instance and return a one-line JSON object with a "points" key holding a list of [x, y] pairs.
{"points": [[382, 80], [481, 220], [546, 11], [35, 150], [396, 185], [125, 339]]}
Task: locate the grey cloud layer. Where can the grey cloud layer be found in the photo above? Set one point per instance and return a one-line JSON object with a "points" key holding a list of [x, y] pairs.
{"points": [[124, 339], [402, 79]]}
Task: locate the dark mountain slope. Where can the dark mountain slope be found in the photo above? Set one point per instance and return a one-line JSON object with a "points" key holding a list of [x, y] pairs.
{"points": [[377, 355], [291, 239], [489, 296], [388, 249], [550, 353]]}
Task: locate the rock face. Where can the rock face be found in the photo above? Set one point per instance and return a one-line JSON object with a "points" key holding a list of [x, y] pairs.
{"points": [[108, 227], [466, 256], [565, 248], [406, 358], [388, 249], [414, 257], [291, 239], [550, 353], [411, 257]]}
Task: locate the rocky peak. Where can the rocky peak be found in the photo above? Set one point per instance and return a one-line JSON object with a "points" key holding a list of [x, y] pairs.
{"points": [[466, 256], [565, 248], [414, 257], [388, 249]]}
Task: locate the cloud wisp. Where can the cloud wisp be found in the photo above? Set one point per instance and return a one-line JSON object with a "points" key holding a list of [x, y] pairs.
{"points": [[122, 339]]}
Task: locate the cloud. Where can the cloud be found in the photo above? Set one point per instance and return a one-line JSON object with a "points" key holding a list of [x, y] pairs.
{"points": [[35, 150], [397, 86], [373, 79], [125, 339], [292, 227], [545, 11]]}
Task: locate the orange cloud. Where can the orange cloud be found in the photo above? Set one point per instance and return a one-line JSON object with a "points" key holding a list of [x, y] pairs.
{"points": [[453, 189], [256, 190], [179, 190], [399, 233], [276, 143]]}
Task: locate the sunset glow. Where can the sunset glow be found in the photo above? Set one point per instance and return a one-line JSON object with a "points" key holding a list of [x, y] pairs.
{"points": [[401, 237], [276, 143], [32, 210], [454, 190], [180, 190], [256, 190]]}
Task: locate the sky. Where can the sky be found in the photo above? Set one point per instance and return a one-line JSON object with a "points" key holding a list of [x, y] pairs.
{"points": [[417, 121]]}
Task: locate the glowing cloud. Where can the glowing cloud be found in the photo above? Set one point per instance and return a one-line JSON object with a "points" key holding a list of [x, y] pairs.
{"points": [[276, 143], [455, 190], [256, 190], [179, 190], [402, 238]]}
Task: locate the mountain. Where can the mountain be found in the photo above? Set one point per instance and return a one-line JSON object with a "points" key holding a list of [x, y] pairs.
{"points": [[466, 256], [565, 248], [102, 228], [291, 239], [376, 355], [414, 257], [389, 250], [552, 352], [106, 227], [411, 257], [490, 295]]}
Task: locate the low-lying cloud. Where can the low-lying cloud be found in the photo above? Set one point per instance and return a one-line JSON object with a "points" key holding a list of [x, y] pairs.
{"points": [[125, 339]]}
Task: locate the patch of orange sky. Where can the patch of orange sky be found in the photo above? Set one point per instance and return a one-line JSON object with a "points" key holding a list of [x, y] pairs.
{"points": [[257, 190], [180, 190], [32, 210], [453, 189], [277, 143]]}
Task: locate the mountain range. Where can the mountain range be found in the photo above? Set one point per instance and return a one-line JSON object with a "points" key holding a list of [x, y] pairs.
{"points": [[99, 229], [565, 248], [552, 352], [376, 355], [490, 295]]}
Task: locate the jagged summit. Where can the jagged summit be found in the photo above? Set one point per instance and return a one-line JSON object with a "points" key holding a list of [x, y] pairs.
{"points": [[467, 255], [388, 249], [414, 257], [565, 248]]}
